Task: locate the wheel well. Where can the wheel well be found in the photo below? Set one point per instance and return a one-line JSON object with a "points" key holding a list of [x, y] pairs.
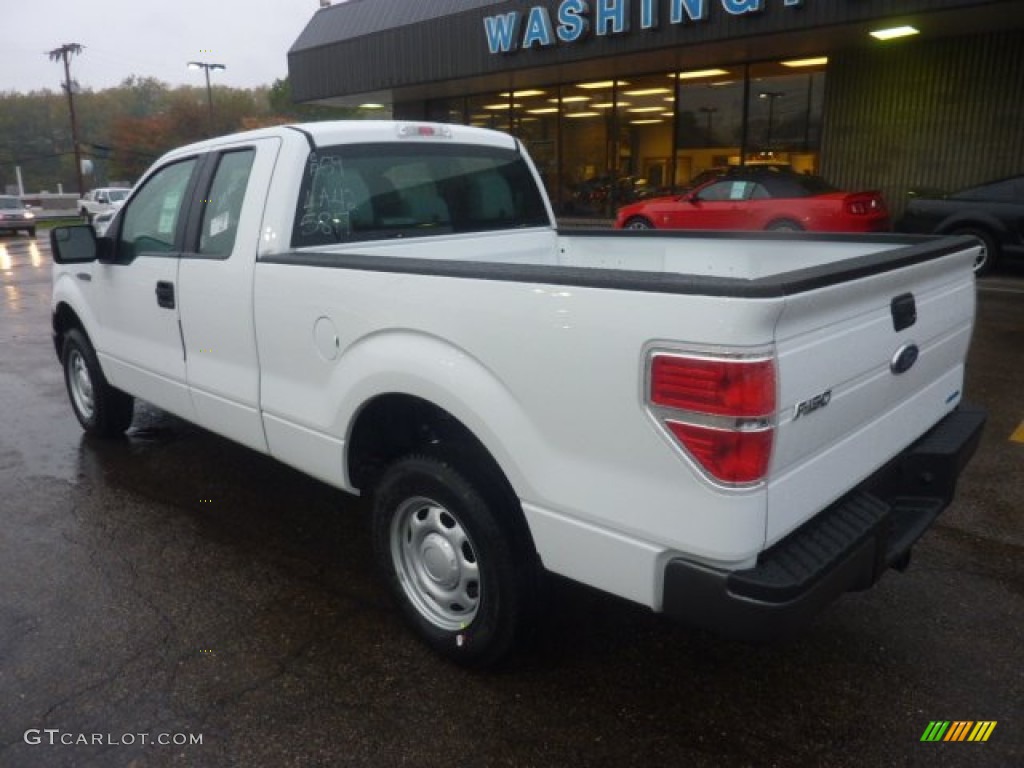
{"points": [[391, 426], [784, 222], [64, 319]]}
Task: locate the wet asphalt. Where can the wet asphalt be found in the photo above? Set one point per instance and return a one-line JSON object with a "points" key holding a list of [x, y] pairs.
{"points": [[173, 599]]}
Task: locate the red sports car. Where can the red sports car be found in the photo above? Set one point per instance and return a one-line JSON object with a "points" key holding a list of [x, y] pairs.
{"points": [[750, 199]]}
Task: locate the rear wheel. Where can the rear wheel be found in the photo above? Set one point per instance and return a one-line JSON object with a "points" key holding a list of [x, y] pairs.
{"points": [[446, 539], [638, 222], [101, 409], [988, 251]]}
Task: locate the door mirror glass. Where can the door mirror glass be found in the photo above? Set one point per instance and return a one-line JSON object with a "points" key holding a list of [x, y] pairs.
{"points": [[73, 245]]}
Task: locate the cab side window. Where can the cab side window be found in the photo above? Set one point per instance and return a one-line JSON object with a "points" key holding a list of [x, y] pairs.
{"points": [[224, 203], [150, 221]]}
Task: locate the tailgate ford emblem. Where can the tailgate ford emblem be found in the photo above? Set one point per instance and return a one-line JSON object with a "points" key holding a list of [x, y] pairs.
{"points": [[904, 359]]}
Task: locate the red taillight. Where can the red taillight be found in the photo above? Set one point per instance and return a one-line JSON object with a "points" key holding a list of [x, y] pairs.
{"points": [[720, 410], [728, 455], [721, 387], [862, 205]]}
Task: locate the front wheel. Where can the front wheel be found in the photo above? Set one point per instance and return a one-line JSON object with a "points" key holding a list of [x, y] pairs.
{"points": [[638, 222], [101, 409], [447, 541]]}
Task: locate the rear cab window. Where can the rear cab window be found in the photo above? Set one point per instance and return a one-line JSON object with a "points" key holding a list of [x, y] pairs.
{"points": [[359, 192]]}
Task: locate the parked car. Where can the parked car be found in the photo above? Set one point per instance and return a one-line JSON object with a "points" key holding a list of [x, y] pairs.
{"points": [[101, 200], [992, 212], [14, 216], [761, 198]]}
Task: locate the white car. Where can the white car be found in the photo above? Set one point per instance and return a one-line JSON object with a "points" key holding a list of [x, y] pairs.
{"points": [[14, 216], [101, 200]]}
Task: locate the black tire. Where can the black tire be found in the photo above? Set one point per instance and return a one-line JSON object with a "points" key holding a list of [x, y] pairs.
{"points": [[101, 409], [784, 225], [31, 231], [638, 222], [989, 253], [454, 549]]}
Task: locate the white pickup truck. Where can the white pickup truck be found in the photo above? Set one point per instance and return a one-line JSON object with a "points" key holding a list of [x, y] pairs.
{"points": [[732, 429]]}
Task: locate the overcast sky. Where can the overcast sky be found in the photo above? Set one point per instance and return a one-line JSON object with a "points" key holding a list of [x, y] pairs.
{"points": [[150, 38]]}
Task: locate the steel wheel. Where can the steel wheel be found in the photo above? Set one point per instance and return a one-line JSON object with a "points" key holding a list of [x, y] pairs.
{"points": [[101, 409], [80, 385], [436, 563], [450, 539]]}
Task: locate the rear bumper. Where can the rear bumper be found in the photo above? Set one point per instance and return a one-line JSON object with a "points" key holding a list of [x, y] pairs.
{"points": [[848, 546]]}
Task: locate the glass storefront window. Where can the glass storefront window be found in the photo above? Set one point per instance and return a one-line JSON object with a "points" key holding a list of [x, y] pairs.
{"points": [[601, 144], [535, 123], [785, 107], [447, 110], [646, 107], [709, 126]]}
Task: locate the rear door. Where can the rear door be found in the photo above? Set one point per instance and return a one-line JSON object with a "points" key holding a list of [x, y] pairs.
{"points": [[216, 289], [865, 368]]}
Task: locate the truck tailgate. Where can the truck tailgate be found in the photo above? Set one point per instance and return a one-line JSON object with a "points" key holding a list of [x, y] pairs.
{"points": [[865, 368]]}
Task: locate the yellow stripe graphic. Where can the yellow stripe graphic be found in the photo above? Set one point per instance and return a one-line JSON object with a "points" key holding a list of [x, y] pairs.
{"points": [[982, 730], [1018, 434]]}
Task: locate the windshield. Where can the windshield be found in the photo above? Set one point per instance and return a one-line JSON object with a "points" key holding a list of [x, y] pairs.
{"points": [[9, 202], [117, 195]]}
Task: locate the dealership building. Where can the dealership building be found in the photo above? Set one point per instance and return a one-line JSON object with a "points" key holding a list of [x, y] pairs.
{"points": [[894, 95]]}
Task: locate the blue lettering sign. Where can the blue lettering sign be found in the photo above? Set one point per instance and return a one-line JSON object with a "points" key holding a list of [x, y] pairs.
{"points": [[613, 13], [648, 14], [571, 24], [739, 7], [538, 28], [502, 32], [695, 10]]}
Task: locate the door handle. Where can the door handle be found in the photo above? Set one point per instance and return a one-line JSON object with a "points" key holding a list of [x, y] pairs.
{"points": [[165, 294]]}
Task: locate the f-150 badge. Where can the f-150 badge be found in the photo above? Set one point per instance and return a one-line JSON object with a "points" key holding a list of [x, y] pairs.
{"points": [[810, 406]]}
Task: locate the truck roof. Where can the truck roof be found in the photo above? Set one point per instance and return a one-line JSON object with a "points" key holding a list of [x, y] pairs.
{"points": [[331, 132]]}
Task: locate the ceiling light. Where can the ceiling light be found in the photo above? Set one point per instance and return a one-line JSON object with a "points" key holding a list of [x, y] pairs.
{"points": [[582, 114], [644, 122], [542, 110], [648, 91], [695, 73], [893, 32], [646, 109], [503, 105], [819, 61], [571, 99], [601, 84], [610, 104], [522, 94], [371, 106]]}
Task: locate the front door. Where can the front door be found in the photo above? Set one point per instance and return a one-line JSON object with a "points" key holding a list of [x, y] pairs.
{"points": [[139, 341]]}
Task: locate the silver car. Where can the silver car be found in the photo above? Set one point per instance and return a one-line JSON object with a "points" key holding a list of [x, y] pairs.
{"points": [[14, 216]]}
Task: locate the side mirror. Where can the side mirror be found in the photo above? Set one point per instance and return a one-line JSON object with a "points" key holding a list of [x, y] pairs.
{"points": [[73, 245]]}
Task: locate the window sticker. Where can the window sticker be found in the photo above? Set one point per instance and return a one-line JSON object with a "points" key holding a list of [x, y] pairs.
{"points": [[219, 223]]}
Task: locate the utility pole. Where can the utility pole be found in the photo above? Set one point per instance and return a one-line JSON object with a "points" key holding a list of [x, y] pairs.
{"points": [[64, 53], [206, 66]]}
